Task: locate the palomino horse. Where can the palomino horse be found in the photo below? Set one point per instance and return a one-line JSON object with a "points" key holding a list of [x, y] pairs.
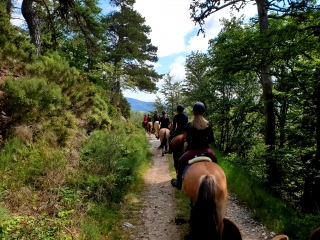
{"points": [[164, 135], [149, 128], [156, 127], [177, 146]]}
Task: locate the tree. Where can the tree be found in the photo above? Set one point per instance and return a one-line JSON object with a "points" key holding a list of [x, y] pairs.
{"points": [[128, 43], [201, 9], [196, 84], [62, 18], [172, 93]]}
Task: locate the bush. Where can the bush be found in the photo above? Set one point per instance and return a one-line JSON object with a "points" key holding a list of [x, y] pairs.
{"points": [[110, 161], [55, 69], [22, 165], [30, 98]]}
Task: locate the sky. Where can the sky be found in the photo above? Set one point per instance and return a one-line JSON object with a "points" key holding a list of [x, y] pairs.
{"points": [[175, 35], [173, 32]]}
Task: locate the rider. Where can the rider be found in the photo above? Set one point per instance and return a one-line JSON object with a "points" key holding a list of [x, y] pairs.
{"points": [[145, 118], [156, 117], [164, 120], [149, 118], [179, 125], [199, 136]]}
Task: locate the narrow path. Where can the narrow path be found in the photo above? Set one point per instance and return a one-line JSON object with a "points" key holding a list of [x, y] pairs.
{"points": [[158, 206]]}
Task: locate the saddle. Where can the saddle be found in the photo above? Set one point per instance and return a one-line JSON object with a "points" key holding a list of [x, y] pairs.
{"points": [[202, 157], [199, 159]]}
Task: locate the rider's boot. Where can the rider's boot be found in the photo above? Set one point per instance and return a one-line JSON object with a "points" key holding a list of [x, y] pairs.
{"points": [[177, 182]]}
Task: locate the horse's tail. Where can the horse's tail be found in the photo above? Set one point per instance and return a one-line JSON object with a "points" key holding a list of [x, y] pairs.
{"points": [[163, 141], [203, 217]]}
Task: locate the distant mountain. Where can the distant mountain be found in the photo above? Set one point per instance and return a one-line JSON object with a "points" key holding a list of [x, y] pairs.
{"points": [[137, 105]]}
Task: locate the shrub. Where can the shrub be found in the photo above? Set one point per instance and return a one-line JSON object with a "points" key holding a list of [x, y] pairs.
{"points": [[110, 162], [55, 69], [29, 99]]}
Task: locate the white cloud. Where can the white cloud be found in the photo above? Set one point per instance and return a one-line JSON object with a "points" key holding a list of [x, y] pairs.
{"points": [[170, 23], [177, 70]]}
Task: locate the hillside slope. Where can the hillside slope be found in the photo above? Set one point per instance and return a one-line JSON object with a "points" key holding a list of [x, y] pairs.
{"points": [[137, 105]]}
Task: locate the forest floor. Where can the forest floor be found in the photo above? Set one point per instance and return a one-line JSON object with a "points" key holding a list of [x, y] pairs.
{"points": [[155, 220]]}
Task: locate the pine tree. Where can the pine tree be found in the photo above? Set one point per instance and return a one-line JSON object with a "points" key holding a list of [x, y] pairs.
{"points": [[128, 46]]}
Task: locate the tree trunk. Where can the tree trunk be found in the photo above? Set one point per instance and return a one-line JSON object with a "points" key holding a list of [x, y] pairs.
{"points": [[266, 82], [32, 20]]}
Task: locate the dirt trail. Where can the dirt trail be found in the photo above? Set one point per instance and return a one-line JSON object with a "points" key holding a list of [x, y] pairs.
{"points": [[159, 205], [158, 212]]}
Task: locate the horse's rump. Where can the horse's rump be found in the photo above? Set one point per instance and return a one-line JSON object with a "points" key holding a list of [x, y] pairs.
{"points": [[177, 148], [156, 127], [149, 127], [164, 134], [177, 143], [205, 183]]}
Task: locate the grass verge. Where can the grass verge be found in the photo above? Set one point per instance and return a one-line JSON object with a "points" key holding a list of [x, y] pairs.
{"points": [[182, 205]]}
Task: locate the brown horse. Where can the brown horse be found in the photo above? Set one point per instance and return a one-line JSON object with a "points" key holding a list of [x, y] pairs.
{"points": [[177, 145], [156, 127], [144, 125], [164, 135], [315, 235], [206, 185]]}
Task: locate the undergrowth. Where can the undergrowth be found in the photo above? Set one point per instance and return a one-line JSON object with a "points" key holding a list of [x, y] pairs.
{"points": [[66, 159]]}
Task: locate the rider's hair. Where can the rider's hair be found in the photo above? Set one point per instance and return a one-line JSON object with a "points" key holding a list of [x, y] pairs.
{"points": [[199, 122]]}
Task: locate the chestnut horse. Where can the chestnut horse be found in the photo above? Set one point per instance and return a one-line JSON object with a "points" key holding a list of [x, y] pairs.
{"points": [[156, 127], [177, 145], [144, 125], [164, 135], [315, 235]]}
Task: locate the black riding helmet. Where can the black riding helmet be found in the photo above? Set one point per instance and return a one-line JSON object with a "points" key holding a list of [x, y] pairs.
{"points": [[180, 108], [199, 108], [163, 112]]}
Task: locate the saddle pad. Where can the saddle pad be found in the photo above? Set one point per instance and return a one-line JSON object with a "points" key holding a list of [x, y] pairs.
{"points": [[199, 159], [194, 160]]}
